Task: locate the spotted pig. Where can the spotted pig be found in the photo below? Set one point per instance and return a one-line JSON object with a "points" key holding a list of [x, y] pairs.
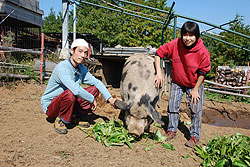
{"points": [[139, 94]]}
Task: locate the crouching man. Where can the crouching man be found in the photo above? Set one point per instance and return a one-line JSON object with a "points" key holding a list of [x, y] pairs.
{"points": [[64, 95]]}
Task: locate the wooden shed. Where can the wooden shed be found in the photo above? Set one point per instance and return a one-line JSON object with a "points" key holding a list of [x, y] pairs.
{"points": [[24, 19]]}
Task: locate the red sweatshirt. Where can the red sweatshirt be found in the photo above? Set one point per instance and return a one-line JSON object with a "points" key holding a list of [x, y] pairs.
{"points": [[187, 64]]}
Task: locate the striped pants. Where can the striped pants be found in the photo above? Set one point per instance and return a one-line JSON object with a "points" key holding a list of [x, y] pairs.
{"points": [[175, 97]]}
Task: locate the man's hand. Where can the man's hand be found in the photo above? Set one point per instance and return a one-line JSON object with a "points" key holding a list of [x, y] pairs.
{"points": [[112, 100], [94, 105]]}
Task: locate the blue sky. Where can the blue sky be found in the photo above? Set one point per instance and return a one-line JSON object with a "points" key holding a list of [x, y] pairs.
{"points": [[214, 11]]}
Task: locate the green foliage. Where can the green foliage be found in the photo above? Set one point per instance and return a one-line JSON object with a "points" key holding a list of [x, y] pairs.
{"points": [[52, 22], [141, 32], [223, 54], [224, 97], [157, 137], [53, 57], [9, 39], [226, 151], [103, 23], [169, 146], [111, 133], [19, 64], [64, 155], [115, 28]]}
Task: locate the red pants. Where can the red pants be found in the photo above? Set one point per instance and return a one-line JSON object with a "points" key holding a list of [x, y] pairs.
{"points": [[66, 103]]}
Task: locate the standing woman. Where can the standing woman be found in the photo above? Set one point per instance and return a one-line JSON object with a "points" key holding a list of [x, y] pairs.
{"points": [[190, 64]]}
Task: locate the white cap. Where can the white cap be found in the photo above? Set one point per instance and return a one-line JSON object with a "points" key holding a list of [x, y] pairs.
{"points": [[79, 42]]}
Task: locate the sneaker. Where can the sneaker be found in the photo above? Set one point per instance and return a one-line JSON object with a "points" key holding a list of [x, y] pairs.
{"points": [[60, 126], [84, 124], [50, 119], [170, 135], [75, 120], [192, 142]]}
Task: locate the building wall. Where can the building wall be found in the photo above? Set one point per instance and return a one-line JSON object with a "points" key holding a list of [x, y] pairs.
{"points": [[28, 11], [25, 20]]}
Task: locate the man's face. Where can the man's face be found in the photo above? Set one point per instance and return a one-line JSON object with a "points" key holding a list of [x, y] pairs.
{"points": [[189, 39], [80, 53]]}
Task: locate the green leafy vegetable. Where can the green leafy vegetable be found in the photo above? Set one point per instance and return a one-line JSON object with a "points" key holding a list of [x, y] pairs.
{"points": [[149, 148], [157, 125], [111, 133], [168, 146], [187, 156], [162, 139], [226, 151], [159, 137]]}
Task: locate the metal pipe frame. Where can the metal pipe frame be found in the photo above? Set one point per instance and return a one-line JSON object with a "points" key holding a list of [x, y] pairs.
{"points": [[185, 17], [121, 11], [240, 47], [220, 25], [157, 21], [166, 23]]}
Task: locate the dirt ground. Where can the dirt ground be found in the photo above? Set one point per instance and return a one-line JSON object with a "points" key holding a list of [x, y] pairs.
{"points": [[27, 139]]}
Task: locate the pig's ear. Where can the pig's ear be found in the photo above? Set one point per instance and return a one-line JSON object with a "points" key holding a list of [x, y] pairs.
{"points": [[122, 105], [155, 115]]}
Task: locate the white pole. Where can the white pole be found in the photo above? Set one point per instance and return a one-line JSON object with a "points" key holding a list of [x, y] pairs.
{"points": [[74, 24], [65, 30]]}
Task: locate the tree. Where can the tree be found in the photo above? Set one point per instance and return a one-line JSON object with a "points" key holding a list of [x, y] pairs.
{"points": [[224, 54], [98, 21], [52, 23], [238, 56], [115, 28], [142, 32]]}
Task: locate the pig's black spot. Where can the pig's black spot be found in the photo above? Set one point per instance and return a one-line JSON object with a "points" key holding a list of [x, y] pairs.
{"points": [[135, 88], [153, 103], [139, 64], [128, 97], [147, 74], [134, 62], [130, 85], [144, 100], [123, 76]]}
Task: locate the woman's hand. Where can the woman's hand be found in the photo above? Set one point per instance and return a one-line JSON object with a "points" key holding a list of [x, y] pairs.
{"points": [[194, 94], [159, 77], [159, 80], [195, 97]]}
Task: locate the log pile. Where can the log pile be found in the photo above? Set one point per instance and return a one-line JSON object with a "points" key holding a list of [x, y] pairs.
{"points": [[231, 77]]}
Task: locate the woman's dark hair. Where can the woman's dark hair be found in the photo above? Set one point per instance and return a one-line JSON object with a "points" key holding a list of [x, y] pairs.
{"points": [[192, 28]]}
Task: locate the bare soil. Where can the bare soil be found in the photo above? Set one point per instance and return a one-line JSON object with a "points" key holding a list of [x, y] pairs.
{"points": [[27, 139]]}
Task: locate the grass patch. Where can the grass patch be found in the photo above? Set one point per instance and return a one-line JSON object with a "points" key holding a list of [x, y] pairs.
{"points": [[225, 98]]}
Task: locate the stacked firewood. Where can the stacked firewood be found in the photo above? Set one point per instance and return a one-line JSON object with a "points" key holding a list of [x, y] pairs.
{"points": [[231, 77]]}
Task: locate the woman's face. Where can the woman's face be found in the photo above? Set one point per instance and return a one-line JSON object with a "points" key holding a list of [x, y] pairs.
{"points": [[188, 39]]}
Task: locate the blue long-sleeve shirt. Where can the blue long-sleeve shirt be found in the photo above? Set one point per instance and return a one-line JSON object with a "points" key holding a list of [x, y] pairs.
{"points": [[66, 76]]}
